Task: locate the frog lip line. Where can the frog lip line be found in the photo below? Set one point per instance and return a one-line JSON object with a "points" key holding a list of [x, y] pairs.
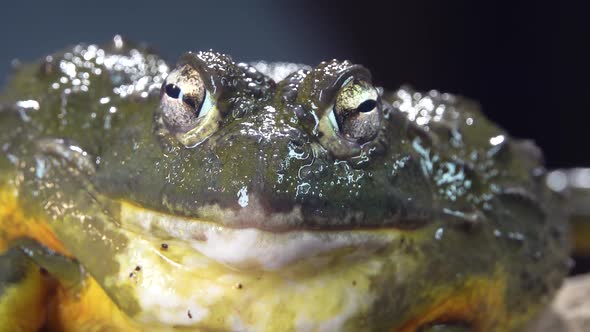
{"points": [[254, 214], [251, 248]]}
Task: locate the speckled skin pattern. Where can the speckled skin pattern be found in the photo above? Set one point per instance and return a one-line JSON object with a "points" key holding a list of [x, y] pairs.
{"points": [[272, 214]]}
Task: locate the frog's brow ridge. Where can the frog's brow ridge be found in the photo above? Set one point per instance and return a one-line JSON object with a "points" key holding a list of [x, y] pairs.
{"points": [[278, 71]]}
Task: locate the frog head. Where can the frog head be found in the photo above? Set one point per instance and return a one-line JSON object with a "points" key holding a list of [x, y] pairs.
{"points": [[301, 154], [279, 197]]}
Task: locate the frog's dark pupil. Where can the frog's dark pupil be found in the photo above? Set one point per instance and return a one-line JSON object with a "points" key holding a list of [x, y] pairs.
{"points": [[172, 91], [367, 106]]}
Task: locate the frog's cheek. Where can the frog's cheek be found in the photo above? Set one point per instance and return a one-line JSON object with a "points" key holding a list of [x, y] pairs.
{"points": [[80, 220]]}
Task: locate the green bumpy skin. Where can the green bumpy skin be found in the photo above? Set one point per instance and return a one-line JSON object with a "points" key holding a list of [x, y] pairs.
{"points": [[287, 198]]}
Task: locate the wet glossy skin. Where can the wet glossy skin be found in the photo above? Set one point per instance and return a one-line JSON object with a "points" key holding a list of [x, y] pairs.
{"points": [[410, 212]]}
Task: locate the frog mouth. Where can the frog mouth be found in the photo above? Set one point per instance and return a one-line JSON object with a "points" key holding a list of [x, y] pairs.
{"points": [[250, 248]]}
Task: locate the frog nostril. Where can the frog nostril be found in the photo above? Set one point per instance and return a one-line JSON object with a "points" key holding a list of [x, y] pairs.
{"points": [[367, 106], [172, 90]]}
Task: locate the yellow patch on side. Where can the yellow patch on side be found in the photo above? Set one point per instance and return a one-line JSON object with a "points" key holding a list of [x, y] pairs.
{"points": [[89, 310], [34, 302], [15, 224], [22, 305], [479, 302]]}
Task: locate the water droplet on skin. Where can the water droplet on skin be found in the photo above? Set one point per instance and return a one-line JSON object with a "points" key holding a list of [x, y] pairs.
{"points": [[243, 197], [303, 189], [517, 237], [439, 234], [496, 140]]}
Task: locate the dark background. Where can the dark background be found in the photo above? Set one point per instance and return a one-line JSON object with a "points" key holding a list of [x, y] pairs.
{"points": [[526, 62]]}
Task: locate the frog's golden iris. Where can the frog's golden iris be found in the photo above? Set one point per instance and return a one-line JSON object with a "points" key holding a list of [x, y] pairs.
{"points": [[219, 196]]}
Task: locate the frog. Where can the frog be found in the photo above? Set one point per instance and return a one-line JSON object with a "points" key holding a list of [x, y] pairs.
{"points": [[214, 195]]}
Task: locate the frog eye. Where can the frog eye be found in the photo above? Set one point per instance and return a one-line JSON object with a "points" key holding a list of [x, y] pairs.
{"points": [[352, 119], [188, 110], [356, 114]]}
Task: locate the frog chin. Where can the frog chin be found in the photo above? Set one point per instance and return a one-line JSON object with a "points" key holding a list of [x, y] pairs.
{"points": [[251, 248]]}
